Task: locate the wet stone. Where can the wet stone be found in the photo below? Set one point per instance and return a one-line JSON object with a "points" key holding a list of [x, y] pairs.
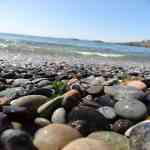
{"points": [[59, 116], [139, 136], [131, 109], [15, 139], [121, 125], [108, 112]]}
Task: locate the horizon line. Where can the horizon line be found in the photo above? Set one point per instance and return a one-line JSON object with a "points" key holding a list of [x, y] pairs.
{"points": [[73, 38]]}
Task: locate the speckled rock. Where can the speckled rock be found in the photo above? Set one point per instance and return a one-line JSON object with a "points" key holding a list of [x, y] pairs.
{"points": [[14, 139], [117, 141], [88, 144], [131, 109], [139, 136], [59, 116], [55, 136], [107, 112]]}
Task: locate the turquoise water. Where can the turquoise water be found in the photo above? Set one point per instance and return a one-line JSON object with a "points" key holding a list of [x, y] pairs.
{"points": [[75, 47]]}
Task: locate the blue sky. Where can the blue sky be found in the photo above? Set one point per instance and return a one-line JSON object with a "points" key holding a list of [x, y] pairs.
{"points": [[109, 20]]}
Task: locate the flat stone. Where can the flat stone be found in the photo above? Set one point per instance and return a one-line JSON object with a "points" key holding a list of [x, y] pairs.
{"points": [[131, 109]]}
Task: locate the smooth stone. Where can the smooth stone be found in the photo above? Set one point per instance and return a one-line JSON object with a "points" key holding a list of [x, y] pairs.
{"points": [[20, 82], [43, 83], [137, 84], [97, 81], [120, 92], [32, 102], [4, 100], [87, 120], [15, 113], [73, 92], [87, 144], [131, 109], [115, 140], [110, 82], [15, 139], [46, 109], [95, 89], [55, 137], [17, 125], [139, 136], [107, 112], [4, 122], [59, 116], [105, 101], [41, 91], [41, 122], [70, 101], [13, 92], [121, 125]]}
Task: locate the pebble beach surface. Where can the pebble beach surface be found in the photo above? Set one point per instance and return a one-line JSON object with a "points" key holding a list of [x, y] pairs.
{"points": [[74, 106]]}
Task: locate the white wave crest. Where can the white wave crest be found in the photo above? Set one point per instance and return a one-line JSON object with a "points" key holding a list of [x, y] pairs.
{"points": [[2, 45], [100, 54]]}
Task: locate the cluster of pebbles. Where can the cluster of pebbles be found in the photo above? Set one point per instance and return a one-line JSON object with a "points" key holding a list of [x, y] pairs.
{"points": [[99, 107]]}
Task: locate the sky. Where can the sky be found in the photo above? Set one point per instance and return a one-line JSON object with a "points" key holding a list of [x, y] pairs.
{"points": [[107, 20]]}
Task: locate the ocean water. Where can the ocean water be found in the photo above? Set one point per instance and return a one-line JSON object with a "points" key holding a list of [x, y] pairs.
{"points": [[23, 44]]}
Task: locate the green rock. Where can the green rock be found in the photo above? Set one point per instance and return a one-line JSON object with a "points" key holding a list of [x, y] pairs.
{"points": [[117, 141]]}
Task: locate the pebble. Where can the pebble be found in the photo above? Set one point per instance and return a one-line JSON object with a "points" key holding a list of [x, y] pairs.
{"points": [[105, 101], [87, 120], [15, 139], [55, 136], [32, 102], [4, 122], [95, 89], [107, 112], [139, 136], [88, 144], [120, 92], [4, 100], [59, 116], [117, 141], [41, 122], [131, 109], [121, 125], [137, 84]]}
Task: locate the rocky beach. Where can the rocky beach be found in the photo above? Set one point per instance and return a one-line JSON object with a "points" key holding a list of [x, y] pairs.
{"points": [[57, 105]]}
